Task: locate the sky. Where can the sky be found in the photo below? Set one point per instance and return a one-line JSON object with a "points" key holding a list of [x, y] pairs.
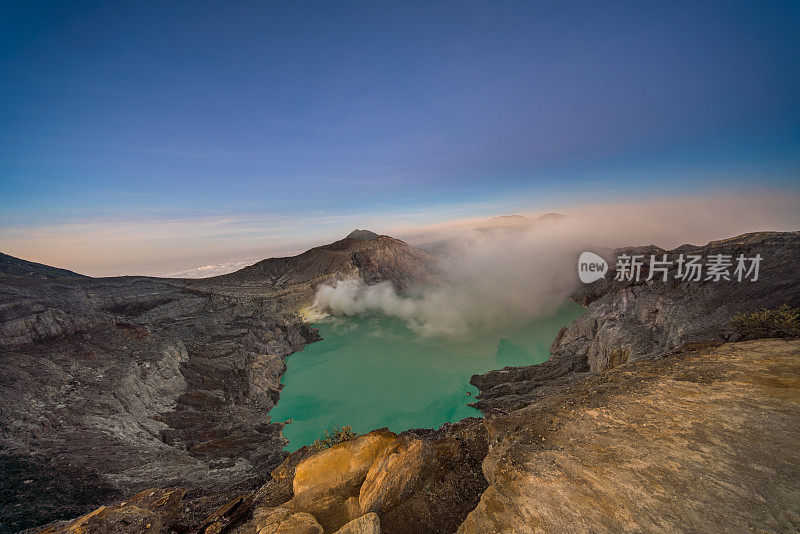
{"points": [[153, 137]]}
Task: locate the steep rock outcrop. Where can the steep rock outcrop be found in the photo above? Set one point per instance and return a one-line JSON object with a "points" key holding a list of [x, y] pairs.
{"points": [[125, 394], [631, 321], [395, 474], [327, 483], [642, 320]]}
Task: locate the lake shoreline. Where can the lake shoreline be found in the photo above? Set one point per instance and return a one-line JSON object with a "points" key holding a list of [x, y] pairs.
{"points": [[372, 372]]}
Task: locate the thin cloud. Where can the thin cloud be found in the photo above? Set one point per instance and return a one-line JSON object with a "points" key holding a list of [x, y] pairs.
{"points": [[160, 246]]}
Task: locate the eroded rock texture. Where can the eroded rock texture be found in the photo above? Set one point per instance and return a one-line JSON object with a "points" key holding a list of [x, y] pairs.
{"points": [[112, 385], [144, 383], [703, 441]]}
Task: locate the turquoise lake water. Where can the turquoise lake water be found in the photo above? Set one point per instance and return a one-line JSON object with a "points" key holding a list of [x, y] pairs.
{"points": [[372, 371]]}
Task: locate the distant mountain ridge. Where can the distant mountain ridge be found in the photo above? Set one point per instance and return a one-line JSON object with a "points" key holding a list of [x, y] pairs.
{"points": [[19, 267], [363, 254]]}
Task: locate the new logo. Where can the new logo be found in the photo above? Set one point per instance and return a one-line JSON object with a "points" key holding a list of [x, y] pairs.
{"points": [[591, 267]]}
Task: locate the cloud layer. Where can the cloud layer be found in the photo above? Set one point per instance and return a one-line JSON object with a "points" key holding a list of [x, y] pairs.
{"points": [[164, 247]]}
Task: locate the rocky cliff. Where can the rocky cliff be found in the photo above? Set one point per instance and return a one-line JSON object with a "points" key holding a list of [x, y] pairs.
{"points": [[628, 321], [109, 386], [701, 441]]}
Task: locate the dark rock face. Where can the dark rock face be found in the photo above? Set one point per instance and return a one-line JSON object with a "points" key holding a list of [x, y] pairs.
{"points": [[632, 321], [133, 382], [645, 320], [373, 260], [110, 386]]}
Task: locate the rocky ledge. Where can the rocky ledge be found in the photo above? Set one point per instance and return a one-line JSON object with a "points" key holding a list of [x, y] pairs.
{"points": [[419, 481], [702, 441]]}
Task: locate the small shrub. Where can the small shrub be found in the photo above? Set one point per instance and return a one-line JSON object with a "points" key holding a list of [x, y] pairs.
{"points": [[778, 322], [333, 436]]}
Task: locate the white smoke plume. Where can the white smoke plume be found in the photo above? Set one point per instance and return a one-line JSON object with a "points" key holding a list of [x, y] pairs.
{"points": [[511, 276], [486, 283]]}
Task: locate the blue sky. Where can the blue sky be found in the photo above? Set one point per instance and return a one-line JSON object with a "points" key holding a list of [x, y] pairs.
{"points": [[314, 113]]}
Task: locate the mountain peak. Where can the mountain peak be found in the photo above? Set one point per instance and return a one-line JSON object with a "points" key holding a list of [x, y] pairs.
{"points": [[364, 235]]}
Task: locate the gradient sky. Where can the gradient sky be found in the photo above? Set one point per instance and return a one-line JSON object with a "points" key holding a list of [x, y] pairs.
{"points": [[300, 117]]}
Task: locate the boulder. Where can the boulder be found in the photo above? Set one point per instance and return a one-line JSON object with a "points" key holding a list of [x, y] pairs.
{"points": [[327, 484], [148, 511], [341, 467], [366, 524], [395, 474], [283, 521]]}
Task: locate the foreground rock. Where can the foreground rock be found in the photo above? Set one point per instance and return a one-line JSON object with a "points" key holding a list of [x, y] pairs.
{"points": [[327, 484], [149, 511], [703, 441], [366, 524], [315, 492], [284, 521], [395, 474]]}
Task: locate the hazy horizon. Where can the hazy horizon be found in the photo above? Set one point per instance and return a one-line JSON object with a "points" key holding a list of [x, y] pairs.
{"points": [[667, 222]]}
